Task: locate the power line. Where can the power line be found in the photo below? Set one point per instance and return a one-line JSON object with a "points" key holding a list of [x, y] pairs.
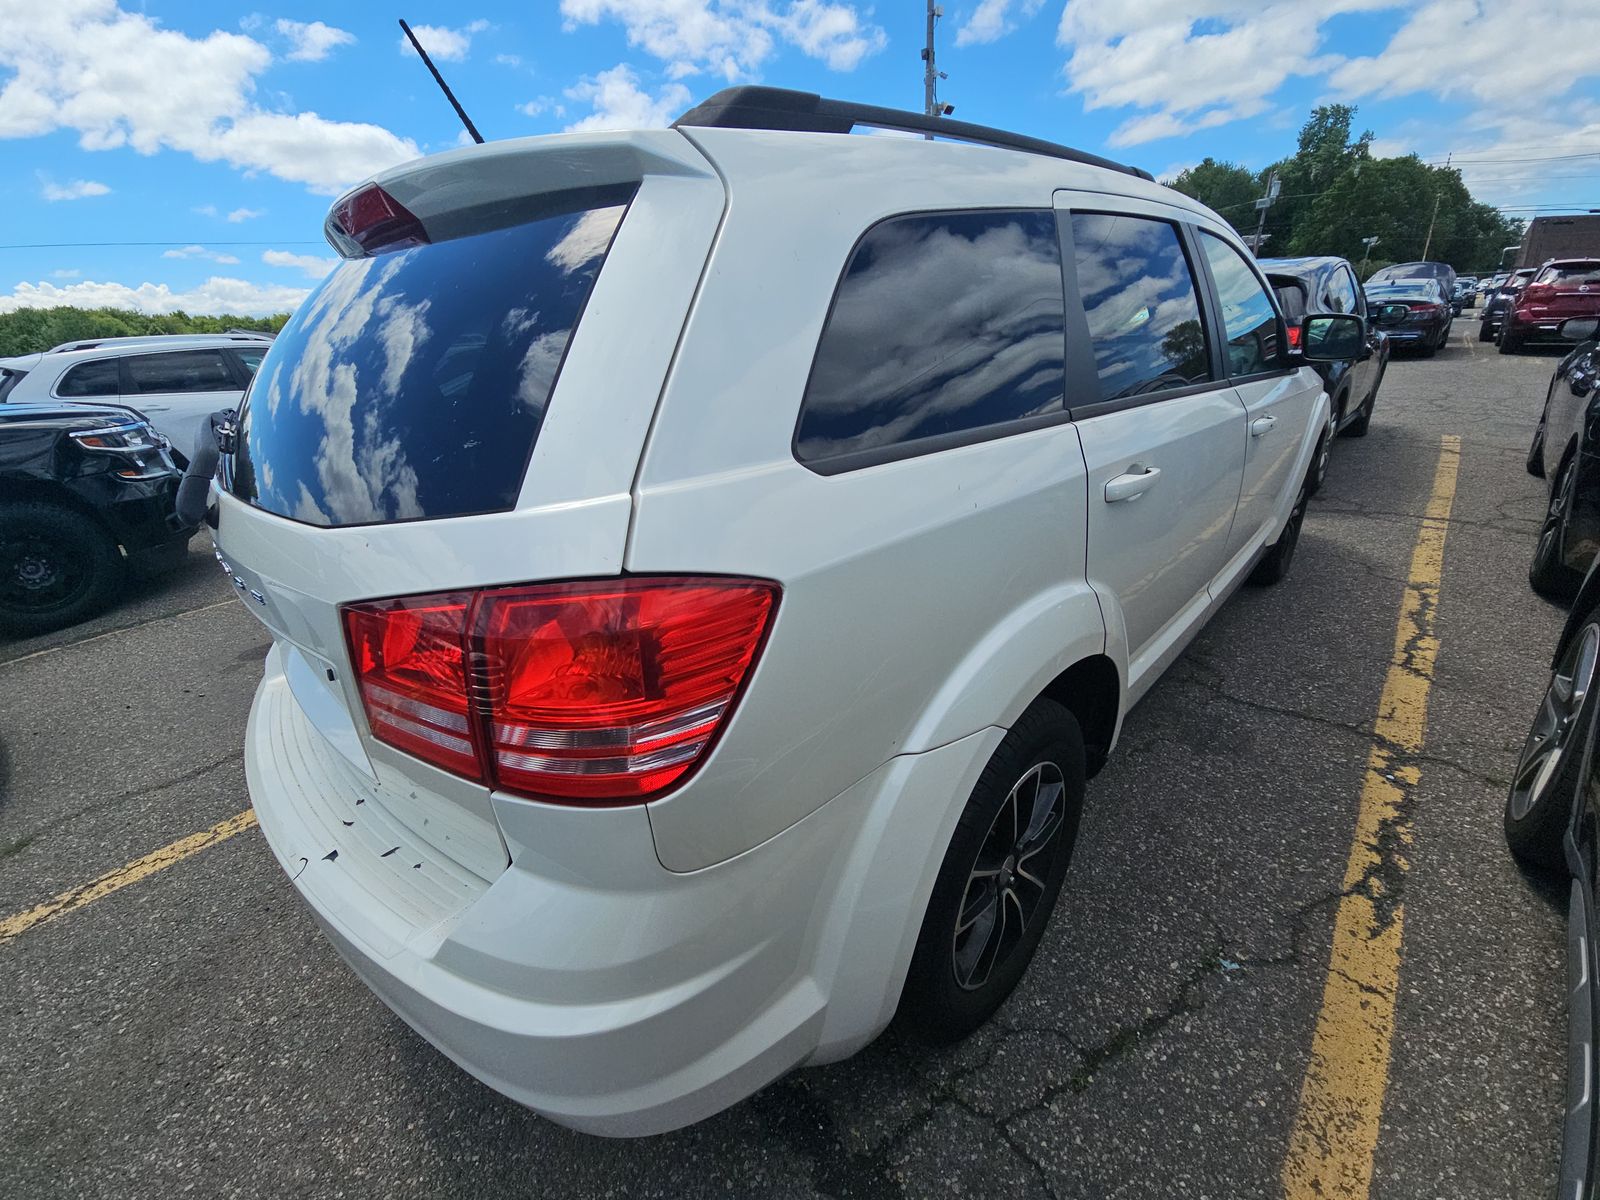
{"points": [[1438, 158]]}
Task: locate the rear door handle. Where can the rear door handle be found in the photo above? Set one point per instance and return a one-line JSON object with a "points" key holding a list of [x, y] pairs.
{"points": [[1262, 425], [1132, 485]]}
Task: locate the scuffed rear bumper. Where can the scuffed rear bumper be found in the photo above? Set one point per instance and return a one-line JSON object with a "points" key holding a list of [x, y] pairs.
{"points": [[587, 981]]}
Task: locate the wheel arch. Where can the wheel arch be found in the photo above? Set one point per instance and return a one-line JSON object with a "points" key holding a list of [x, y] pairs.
{"points": [[1091, 689], [38, 491]]}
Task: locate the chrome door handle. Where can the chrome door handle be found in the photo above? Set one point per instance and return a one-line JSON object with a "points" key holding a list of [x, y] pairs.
{"points": [[1262, 425], [1132, 485]]}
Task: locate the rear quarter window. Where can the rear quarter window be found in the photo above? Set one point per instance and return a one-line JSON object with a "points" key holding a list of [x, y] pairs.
{"points": [[98, 377], [413, 384], [942, 324]]}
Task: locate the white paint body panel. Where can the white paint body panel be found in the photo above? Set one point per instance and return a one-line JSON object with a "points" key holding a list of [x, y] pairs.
{"points": [[630, 970]]}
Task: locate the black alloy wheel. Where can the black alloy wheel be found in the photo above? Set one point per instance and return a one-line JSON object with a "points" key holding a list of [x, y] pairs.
{"points": [[1000, 877], [1545, 786], [1548, 573]]}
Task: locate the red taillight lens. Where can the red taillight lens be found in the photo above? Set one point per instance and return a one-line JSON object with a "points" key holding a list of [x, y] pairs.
{"points": [[410, 663], [1425, 309], [375, 221], [1539, 293], [1294, 337], [605, 691]]}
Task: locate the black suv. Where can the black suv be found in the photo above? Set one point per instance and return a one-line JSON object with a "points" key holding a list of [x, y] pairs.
{"points": [[1308, 286], [85, 491]]}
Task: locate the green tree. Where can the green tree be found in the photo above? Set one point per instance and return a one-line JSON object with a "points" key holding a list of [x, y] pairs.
{"points": [[29, 330], [1226, 188]]}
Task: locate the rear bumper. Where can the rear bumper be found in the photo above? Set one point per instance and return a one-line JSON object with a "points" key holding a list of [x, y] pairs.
{"points": [[587, 981]]}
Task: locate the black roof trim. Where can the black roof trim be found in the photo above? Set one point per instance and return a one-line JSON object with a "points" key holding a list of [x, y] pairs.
{"points": [[751, 107]]}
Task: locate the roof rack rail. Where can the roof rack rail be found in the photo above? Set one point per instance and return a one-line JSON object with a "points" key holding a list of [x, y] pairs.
{"points": [[751, 107]]}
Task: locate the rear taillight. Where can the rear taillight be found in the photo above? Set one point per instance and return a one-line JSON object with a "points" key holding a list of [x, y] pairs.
{"points": [[1294, 337], [370, 222], [1539, 293], [601, 692]]}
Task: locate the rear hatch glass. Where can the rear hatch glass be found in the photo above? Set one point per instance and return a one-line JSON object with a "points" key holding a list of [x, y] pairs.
{"points": [[412, 385]]}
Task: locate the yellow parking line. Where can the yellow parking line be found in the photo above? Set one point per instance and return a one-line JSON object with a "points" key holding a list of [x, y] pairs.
{"points": [[112, 881], [1341, 1099]]}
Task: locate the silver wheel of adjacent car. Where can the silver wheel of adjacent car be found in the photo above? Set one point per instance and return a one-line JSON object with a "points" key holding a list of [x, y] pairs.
{"points": [[1551, 738], [1545, 786]]}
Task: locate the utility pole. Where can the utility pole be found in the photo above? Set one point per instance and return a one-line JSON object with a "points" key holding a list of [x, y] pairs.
{"points": [[1428, 244], [930, 75], [1273, 188], [1369, 243]]}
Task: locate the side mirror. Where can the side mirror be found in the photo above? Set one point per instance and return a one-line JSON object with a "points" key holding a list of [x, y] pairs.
{"points": [[1332, 337], [1390, 314], [1580, 329]]}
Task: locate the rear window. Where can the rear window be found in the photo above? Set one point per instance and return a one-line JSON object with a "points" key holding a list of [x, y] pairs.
{"points": [[1291, 296], [413, 385], [1570, 273]]}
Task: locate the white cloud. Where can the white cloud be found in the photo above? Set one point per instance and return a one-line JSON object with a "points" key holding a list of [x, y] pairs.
{"points": [[315, 266], [1510, 55], [120, 80], [620, 103], [732, 38], [991, 20], [205, 210], [313, 41], [540, 105], [243, 214], [443, 43], [199, 252], [1193, 64], [237, 297], [508, 60], [76, 190], [66, 273]]}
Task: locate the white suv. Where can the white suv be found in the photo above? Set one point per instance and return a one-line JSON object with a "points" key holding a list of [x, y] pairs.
{"points": [[176, 380], [704, 566]]}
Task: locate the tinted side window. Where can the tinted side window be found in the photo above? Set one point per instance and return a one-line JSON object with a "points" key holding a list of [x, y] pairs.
{"points": [[184, 371], [942, 323], [251, 359], [1248, 318], [1142, 305], [96, 378]]}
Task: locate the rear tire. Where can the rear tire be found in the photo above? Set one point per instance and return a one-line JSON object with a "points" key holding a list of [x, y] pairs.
{"points": [[1536, 451], [1363, 418], [1273, 566], [57, 567], [1001, 874], [1549, 574], [1485, 332], [1510, 342], [1545, 786]]}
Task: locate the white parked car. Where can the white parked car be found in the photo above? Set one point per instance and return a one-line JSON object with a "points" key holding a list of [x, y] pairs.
{"points": [[704, 566], [176, 380]]}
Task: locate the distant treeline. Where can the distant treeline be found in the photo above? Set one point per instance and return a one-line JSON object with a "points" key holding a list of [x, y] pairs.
{"points": [[31, 329]]}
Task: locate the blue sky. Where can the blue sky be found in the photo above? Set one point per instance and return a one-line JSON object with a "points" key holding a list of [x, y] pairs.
{"points": [[222, 132]]}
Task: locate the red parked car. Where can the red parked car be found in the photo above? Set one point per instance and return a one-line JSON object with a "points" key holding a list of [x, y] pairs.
{"points": [[1563, 288]]}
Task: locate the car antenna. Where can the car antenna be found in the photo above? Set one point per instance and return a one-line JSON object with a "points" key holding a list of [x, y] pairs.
{"points": [[443, 86]]}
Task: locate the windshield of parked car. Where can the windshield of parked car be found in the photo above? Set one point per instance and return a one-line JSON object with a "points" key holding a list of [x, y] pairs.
{"points": [[1422, 290]]}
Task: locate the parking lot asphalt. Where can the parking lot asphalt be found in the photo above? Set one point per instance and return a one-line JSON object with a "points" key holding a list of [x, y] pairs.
{"points": [[184, 1027]]}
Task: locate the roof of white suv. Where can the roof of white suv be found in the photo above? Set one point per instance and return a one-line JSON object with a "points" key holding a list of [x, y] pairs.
{"points": [[89, 348]]}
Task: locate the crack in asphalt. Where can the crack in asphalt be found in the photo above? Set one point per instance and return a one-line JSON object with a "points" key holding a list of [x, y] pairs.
{"points": [[1359, 729], [159, 785]]}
